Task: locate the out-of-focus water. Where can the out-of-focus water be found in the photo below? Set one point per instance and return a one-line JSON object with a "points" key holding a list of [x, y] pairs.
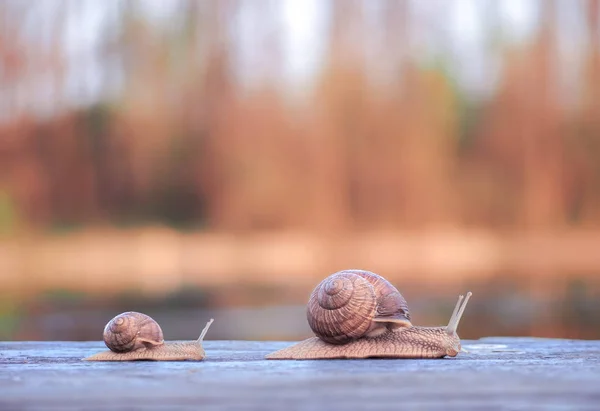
{"points": [[502, 314]]}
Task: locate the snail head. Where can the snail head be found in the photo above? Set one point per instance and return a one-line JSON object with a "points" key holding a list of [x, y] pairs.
{"points": [[455, 347]]}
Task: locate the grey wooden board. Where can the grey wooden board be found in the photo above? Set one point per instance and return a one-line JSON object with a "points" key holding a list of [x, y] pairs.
{"points": [[497, 373]]}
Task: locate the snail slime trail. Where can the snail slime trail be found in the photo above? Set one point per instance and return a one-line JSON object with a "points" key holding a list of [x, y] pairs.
{"points": [[359, 314], [133, 336]]}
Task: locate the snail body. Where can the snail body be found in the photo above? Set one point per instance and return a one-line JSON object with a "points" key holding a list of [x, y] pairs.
{"points": [[133, 336], [359, 314]]}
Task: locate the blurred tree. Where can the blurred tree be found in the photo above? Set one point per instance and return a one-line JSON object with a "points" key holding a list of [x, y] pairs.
{"points": [[585, 144], [190, 138]]}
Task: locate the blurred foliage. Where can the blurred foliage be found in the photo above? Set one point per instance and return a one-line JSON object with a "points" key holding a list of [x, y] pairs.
{"points": [[8, 215], [10, 317], [387, 135], [183, 113]]}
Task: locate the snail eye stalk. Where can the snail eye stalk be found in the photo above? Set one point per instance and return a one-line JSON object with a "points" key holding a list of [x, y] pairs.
{"points": [[205, 330], [457, 314]]}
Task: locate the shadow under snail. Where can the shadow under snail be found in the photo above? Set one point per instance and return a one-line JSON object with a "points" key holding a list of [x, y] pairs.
{"points": [[359, 314], [133, 336]]}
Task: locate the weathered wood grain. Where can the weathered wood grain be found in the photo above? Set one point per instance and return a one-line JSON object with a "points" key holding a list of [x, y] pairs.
{"points": [[497, 373]]}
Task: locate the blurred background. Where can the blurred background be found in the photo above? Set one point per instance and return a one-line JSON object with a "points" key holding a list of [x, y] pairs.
{"points": [[197, 159]]}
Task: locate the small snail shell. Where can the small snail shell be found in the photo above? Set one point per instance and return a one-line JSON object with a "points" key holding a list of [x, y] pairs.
{"points": [[358, 314], [132, 336], [131, 331], [353, 304]]}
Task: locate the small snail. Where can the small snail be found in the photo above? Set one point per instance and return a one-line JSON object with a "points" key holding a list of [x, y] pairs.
{"points": [[359, 314], [132, 336]]}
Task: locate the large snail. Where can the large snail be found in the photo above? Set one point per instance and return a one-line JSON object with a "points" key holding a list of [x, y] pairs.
{"points": [[359, 314], [132, 336]]}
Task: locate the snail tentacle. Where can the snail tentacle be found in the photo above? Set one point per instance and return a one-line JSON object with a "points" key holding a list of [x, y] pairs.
{"points": [[459, 309]]}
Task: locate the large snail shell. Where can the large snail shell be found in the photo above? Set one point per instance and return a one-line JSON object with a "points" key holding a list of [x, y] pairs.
{"points": [[131, 331], [351, 304]]}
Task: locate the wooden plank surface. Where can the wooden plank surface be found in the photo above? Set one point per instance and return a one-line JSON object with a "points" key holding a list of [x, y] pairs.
{"points": [[496, 373]]}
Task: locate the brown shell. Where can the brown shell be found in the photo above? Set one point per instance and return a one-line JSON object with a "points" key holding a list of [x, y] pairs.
{"points": [[349, 304], [131, 331]]}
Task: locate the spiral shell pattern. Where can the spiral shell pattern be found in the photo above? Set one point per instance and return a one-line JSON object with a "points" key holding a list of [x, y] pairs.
{"points": [[341, 308], [344, 305], [130, 331]]}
